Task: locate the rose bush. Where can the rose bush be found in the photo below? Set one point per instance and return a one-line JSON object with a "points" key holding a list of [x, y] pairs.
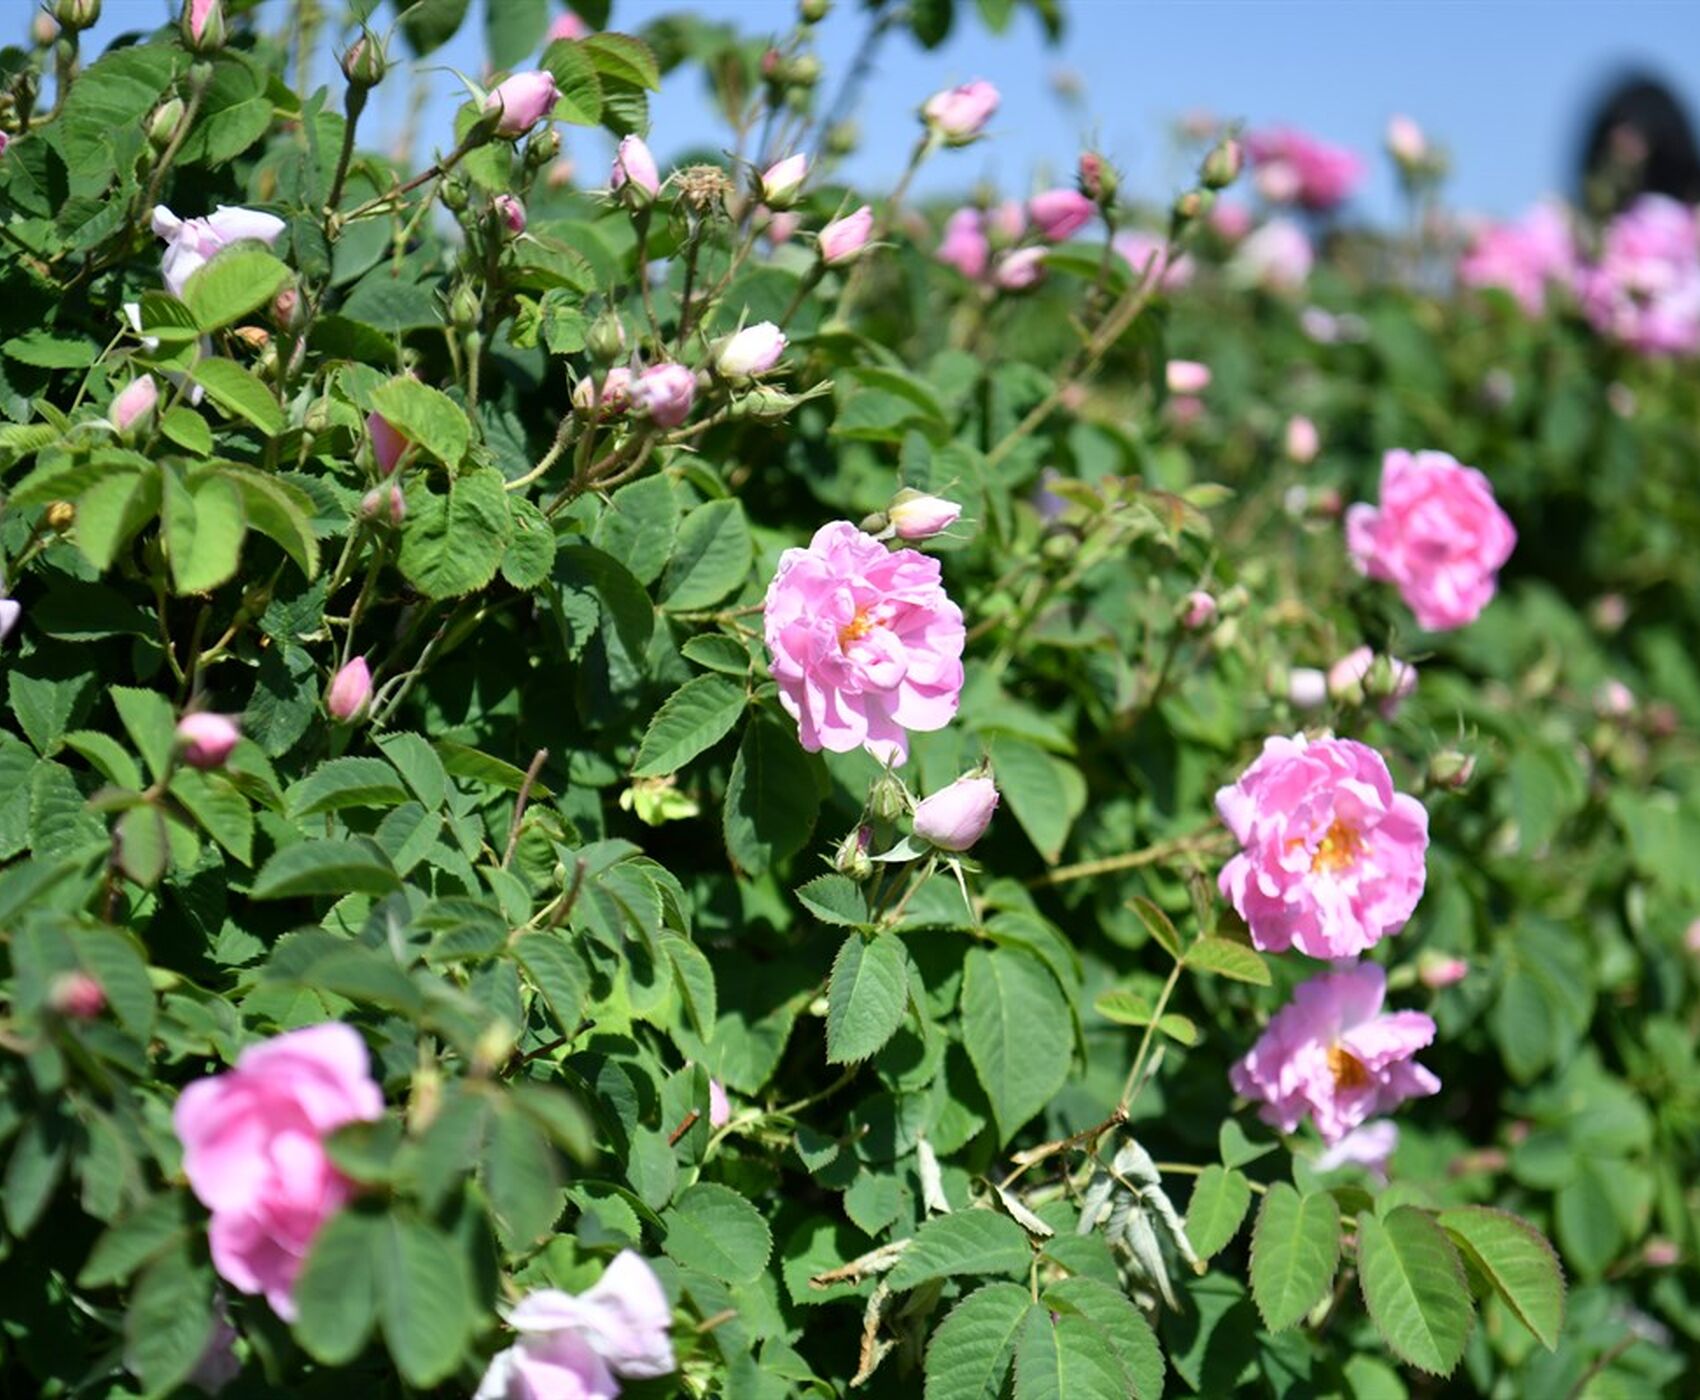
{"points": [[637, 773]]}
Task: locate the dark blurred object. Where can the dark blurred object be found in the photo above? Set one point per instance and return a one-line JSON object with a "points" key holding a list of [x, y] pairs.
{"points": [[1639, 142]]}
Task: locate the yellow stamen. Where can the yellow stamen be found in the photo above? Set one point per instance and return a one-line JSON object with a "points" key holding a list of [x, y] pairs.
{"points": [[1341, 846], [1348, 1070], [855, 629]]}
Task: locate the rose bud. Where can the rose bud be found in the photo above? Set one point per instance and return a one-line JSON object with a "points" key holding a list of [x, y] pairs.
{"points": [[1058, 214], [77, 995], [1223, 165], [387, 443], [381, 502], [206, 739], [664, 393], [134, 406], [1346, 676], [202, 24], [916, 516], [1451, 769], [1307, 688], [349, 690], [781, 181], [520, 102], [719, 1106], [959, 114], [752, 351], [567, 26], [1406, 142], [1438, 970], [852, 857], [954, 818], [511, 212], [1097, 178], [606, 339], [1300, 441], [1186, 377], [44, 29], [634, 167], [1018, 271], [1198, 610], [616, 396], [364, 63], [843, 240]]}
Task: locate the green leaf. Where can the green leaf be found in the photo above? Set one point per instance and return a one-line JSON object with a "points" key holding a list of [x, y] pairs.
{"points": [[1018, 1031], [712, 557], [1236, 1149], [113, 957], [419, 766], [233, 283], [43, 349], [622, 56], [138, 1237], [580, 88], [1045, 792], [113, 510], [169, 1321], [1226, 958], [33, 1170], [281, 511], [425, 1303], [712, 1228], [1220, 1199], [107, 755], [150, 722], [771, 797], [639, 525], [337, 1293], [452, 545], [694, 718], [715, 652], [513, 30], [219, 808], [429, 24], [425, 416], [970, 1352], [239, 394], [140, 844], [1123, 1006], [522, 1174], [866, 997], [1295, 1249], [1066, 1358], [966, 1242], [334, 867], [187, 429], [1414, 1287], [204, 526], [1519, 1262], [695, 977], [45, 705], [835, 899], [1113, 1314], [345, 782], [530, 555], [555, 969]]}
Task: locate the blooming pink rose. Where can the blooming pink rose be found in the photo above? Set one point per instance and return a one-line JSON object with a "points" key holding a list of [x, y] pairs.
{"points": [[1644, 290], [664, 393], [959, 114], [965, 246], [566, 26], [189, 243], [387, 443], [955, 817], [205, 740], [625, 1318], [1144, 253], [1438, 535], [780, 181], [865, 644], [552, 1366], [253, 1150], [1186, 376], [511, 212], [349, 690], [1060, 213], [1331, 857], [1331, 1053], [1020, 270], [1300, 441], [1371, 1147], [917, 516], [1277, 256], [843, 240], [522, 101], [1522, 257], [134, 404], [1319, 175], [635, 166]]}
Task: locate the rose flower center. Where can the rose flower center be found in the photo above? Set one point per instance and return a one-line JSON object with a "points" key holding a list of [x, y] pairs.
{"points": [[1340, 848], [1348, 1070], [854, 630]]}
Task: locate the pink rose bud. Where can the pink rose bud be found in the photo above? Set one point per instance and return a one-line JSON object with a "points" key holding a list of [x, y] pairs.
{"points": [[1018, 271], [1186, 377], [1660, 1253], [132, 408], [635, 166], [1614, 699], [781, 181], [965, 245], [522, 101], [719, 1106], [959, 114], [616, 395], [511, 212], [1058, 214], [1449, 768], [663, 393], [388, 502], [752, 351], [843, 240], [1406, 142], [1307, 688], [77, 995], [387, 443], [44, 29], [954, 818], [780, 227], [203, 25], [10, 611], [916, 516], [349, 690], [206, 740], [1198, 610], [1346, 676], [1438, 970], [1301, 441], [567, 26]]}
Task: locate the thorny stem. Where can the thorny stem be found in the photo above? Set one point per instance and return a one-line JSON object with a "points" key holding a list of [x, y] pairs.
{"points": [[1201, 841], [537, 762], [563, 438]]}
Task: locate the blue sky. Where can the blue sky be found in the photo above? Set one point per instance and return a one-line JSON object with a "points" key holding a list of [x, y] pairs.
{"points": [[1502, 83]]}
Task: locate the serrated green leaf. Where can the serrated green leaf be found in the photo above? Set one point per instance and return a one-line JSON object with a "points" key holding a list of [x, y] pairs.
{"points": [[333, 867], [712, 557], [219, 808], [1414, 1287], [452, 544], [1045, 792], [150, 722], [425, 1303], [1220, 1199], [692, 720], [712, 1228], [835, 899], [966, 1242], [771, 797], [169, 1321], [970, 1352], [141, 1235], [1519, 1262], [239, 394], [866, 997], [231, 284], [1066, 1358], [425, 416], [337, 1294], [1018, 1031], [345, 782], [1295, 1249], [1123, 1006], [1112, 1312], [1228, 959]]}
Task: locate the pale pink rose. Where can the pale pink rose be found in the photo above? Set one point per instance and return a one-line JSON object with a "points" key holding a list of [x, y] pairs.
{"points": [[133, 406], [917, 516], [955, 817], [1277, 256], [1307, 687], [1332, 1054], [1230, 220], [1322, 176], [1331, 858], [197, 16], [753, 351], [865, 644], [205, 740], [663, 393], [1371, 1147], [959, 114], [719, 1106], [253, 1150], [1613, 699], [625, 1317], [1300, 441], [780, 227], [552, 1366], [1440, 970], [1020, 270], [1644, 290], [1198, 610], [511, 212], [567, 26], [387, 443], [1060, 213], [349, 690], [1406, 142], [781, 180], [1522, 257], [77, 995], [843, 240], [965, 246], [190, 243], [1006, 223], [522, 100], [635, 166], [1346, 676], [10, 611], [1438, 535], [1144, 253], [1186, 376], [615, 398]]}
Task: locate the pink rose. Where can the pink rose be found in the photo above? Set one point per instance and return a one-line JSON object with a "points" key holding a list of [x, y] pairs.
{"points": [[781, 181], [1020, 270], [190, 243], [843, 240], [1186, 377], [1438, 535], [253, 1150], [1307, 688], [553, 1366], [614, 399], [387, 443], [1294, 165], [1644, 290], [1144, 253], [1198, 610], [663, 393], [133, 406], [965, 246], [625, 1318], [753, 351], [522, 101], [566, 26], [205, 740], [1331, 857], [1522, 257], [1300, 441], [917, 516], [1332, 1054], [349, 690], [959, 114], [1060, 213], [635, 166], [955, 817], [865, 644], [1277, 257], [511, 212], [1370, 1147]]}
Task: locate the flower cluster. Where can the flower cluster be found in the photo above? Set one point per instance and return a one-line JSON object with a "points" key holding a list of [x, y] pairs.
{"points": [[1522, 257], [1644, 289], [1294, 167]]}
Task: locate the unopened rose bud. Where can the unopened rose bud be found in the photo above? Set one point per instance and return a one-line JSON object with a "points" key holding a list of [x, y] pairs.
{"points": [[766, 403], [1019, 271], [1613, 699], [510, 212], [1450, 768], [1186, 377], [1300, 441], [606, 339], [852, 857], [1346, 676], [1307, 688], [614, 399], [753, 351], [363, 62], [842, 139], [76, 995], [1191, 205], [61, 516], [205, 740], [464, 308], [813, 11], [887, 799], [958, 115], [1406, 143], [44, 29], [1198, 610], [75, 15], [1223, 164], [635, 172], [132, 409], [1660, 1253], [10, 611], [1098, 179], [542, 149], [801, 71], [349, 691], [387, 443], [843, 240], [913, 515], [1439, 970], [664, 393], [286, 306], [719, 1106], [454, 194], [384, 503], [1060, 214], [1609, 612], [521, 101], [202, 25], [781, 181], [162, 125], [954, 818]]}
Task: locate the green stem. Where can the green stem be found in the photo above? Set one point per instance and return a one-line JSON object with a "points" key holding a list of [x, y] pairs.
{"points": [[1126, 1100]]}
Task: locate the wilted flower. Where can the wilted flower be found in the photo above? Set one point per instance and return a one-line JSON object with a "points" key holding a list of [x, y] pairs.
{"points": [[843, 240], [133, 406], [751, 352], [635, 166], [349, 690], [780, 181], [663, 393], [955, 817], [959, 114], [191, 242], [205, 740], [917, 516], [1058, 214], [522, 101], [1186, 376]]}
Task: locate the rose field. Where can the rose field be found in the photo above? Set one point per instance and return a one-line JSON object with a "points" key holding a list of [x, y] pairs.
{"points": [[632, 770]]}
